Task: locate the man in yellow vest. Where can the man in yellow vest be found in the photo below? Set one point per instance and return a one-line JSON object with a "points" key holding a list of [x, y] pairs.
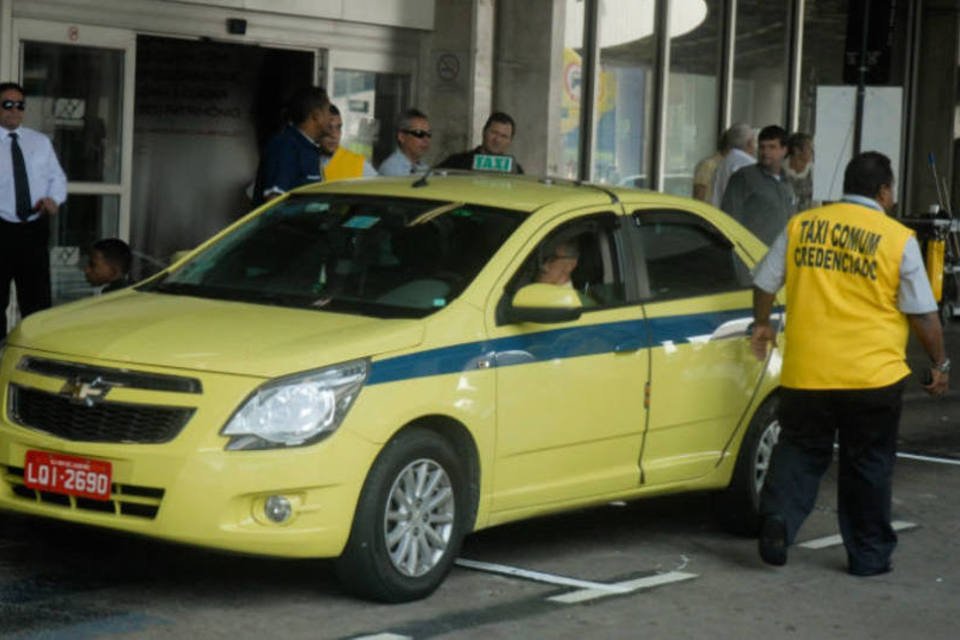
{"points": [[855, 281], [336, 162]]}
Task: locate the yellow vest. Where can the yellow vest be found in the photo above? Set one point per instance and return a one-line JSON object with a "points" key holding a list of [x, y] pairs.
{"points": [[343, 165], [844, 330]]}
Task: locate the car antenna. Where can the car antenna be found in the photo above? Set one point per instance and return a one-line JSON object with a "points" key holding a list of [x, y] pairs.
{"points": [[422, 180]]}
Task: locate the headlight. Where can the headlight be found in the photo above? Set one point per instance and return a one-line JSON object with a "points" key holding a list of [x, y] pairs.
{"points": [[298, 410]]}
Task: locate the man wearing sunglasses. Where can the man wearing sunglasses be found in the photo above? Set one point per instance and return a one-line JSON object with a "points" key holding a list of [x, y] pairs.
{"points": [[32, 188], [413, 142]]}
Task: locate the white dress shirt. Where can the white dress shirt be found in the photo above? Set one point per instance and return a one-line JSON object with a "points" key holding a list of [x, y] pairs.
{"points": [[46, 177], [398, 164]]}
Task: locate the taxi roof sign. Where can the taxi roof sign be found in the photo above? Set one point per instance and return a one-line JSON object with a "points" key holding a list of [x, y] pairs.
{"points": [[483, 162]]}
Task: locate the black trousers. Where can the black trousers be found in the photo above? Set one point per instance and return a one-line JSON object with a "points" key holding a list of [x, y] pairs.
{"points": [[865, 422], [25, 259]]}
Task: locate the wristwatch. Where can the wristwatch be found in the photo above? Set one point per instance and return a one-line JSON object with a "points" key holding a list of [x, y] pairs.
{"points": [[943, 367]]}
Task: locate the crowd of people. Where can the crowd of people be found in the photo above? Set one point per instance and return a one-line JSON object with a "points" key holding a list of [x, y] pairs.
{"points": [[309, 149]]}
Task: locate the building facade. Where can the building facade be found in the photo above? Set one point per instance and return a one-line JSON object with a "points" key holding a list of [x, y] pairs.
{"points": [[158, 107]]}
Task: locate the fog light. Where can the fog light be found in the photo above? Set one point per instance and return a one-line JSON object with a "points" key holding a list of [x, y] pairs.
{"points": [[277, 509]]}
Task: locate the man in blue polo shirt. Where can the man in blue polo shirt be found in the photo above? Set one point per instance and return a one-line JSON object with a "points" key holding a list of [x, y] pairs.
{"points": [[292, 157]]}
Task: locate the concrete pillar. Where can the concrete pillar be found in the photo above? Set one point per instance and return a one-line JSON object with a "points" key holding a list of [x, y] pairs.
{"points": [[936, 106], [529, 78], [456, 83]]}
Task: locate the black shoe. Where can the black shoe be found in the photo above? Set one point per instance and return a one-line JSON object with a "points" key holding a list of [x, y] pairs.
{"points": [[866, 573], [773, 541]]}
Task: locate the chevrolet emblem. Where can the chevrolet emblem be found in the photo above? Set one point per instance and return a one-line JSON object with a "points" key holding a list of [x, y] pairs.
{"points": [[86, 393]]}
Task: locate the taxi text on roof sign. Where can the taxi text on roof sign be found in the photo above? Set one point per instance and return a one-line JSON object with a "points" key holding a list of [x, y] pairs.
{"points": [[482, 162]]}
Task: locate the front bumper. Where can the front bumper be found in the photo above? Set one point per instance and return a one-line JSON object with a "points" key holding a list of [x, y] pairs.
{"points": [[190, 489]]}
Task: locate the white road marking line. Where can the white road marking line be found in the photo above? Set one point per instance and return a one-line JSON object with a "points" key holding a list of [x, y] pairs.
{"points": [[831, 541], [914, 456], [628, 586], [383, 636], [536, 576]]}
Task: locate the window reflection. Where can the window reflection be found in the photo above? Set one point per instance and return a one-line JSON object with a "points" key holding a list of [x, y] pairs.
{"points": [[624, 104], [760, 62], [75, 96], [370, 103], [692, 106], [566, 163]]}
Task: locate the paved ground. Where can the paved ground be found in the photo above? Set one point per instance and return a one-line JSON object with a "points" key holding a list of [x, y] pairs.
{"points": [[60, 581]]}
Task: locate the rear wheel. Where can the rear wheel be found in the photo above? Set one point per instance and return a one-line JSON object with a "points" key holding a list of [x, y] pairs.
{"points": [[739, 505], [409, 522]]}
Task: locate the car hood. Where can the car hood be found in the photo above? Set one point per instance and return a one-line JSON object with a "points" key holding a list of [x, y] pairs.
{"points": [[212, 335]]}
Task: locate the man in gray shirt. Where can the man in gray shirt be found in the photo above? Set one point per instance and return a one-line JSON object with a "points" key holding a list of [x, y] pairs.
{"points": [[759, 196]]}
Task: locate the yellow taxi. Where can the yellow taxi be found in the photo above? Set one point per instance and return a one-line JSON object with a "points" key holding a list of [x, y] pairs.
{"points": [[371, 370]]}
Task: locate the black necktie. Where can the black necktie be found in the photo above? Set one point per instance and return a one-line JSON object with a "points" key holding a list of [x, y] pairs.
{"points": [[20, 184]]}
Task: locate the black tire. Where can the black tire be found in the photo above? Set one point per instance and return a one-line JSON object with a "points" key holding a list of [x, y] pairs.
{"points": [[395, 570], [738, 507]]}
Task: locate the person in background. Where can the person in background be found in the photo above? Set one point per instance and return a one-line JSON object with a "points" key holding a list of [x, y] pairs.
{"points": [[742, 141], [855, 286], [291, 158], [498, 135], [799, 168], [758, 196], [108, 265], [32, 188], [338, 162], [413, 142], [705, 170]]}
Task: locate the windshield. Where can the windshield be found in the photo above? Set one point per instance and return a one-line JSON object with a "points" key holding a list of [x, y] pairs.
{"points": [[378, 256]]}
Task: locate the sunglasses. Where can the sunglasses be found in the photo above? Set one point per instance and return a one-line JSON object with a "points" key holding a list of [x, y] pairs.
{"points": [[418, 133], [13, 104]]}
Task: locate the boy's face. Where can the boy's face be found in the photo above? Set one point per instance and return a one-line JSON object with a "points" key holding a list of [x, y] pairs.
{"points": [[98, 271]]}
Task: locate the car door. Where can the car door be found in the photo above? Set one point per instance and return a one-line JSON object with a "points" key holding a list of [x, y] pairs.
{"points": [[570, 408], [698, 304]]}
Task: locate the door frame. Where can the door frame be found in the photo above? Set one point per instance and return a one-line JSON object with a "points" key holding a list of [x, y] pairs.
{"points": [[81, 35]]}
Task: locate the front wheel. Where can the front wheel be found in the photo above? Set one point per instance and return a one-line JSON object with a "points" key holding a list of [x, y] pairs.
{"points": [[409, 522], [739, 505]]}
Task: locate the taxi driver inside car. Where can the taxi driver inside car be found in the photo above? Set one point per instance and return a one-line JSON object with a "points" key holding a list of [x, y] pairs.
{"points": [[395, 319]]}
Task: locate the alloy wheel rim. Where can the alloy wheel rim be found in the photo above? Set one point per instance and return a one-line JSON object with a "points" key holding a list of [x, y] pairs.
{"points": [[418, 522], [768, 441]]}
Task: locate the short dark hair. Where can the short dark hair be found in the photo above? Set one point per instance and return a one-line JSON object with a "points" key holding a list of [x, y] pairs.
{"points": [[116, 252], [502, 118], [773, 132], [305, 101], [867, 173], [798, 141], [6, 86], [403, 122]]}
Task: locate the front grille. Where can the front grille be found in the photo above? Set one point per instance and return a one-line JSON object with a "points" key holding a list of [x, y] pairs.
{"points": [[126, 500], [102, 422], [110, 376]]}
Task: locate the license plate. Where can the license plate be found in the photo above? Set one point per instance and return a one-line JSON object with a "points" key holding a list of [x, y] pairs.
{"points": [[70, 475]]}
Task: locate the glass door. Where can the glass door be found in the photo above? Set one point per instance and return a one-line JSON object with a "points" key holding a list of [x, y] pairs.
{"points": [[79, 81]]}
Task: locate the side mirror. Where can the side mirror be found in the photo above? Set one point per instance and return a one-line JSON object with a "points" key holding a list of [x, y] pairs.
{"points": [[545, 304]]}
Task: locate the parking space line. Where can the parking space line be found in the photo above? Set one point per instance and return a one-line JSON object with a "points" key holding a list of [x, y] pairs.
{"points": [[535, 576], [383, 636], [831, 541], [629, 586], [914, 456]]}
